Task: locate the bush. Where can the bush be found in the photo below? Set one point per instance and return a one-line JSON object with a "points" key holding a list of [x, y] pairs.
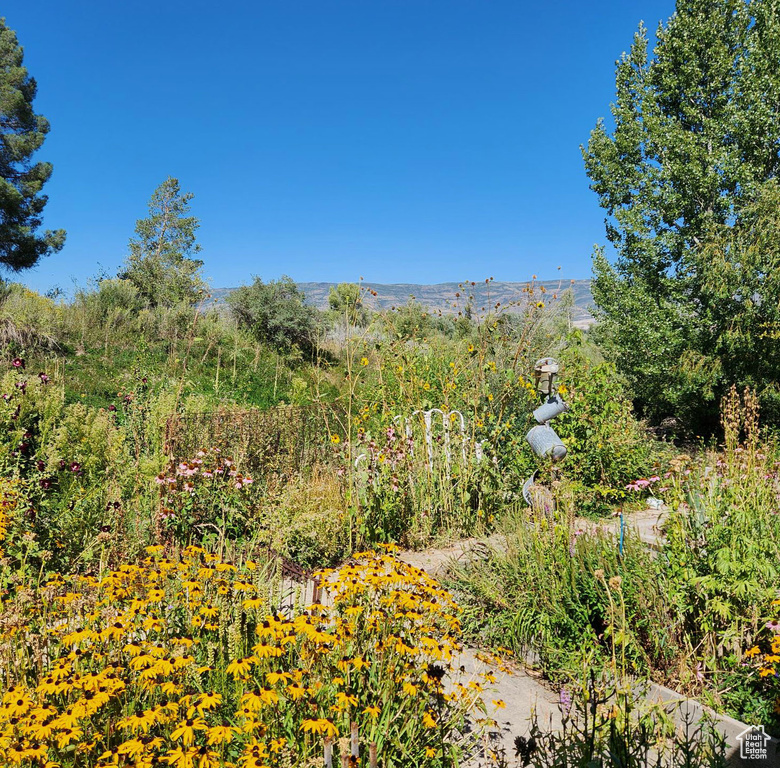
{"points": [[608, 447], [275, 313]]}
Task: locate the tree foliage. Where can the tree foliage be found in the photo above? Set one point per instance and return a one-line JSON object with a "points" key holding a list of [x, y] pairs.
{"points": [[695, 140], [160, 264], [275, 313], [22, 133]]}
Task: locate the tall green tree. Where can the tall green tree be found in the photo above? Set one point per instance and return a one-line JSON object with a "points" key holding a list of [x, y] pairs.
{"points": [[22, 133], [160, 263], [694, 141]]}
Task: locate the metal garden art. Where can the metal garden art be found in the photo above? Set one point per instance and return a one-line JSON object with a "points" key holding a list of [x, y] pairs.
{"points": [[542, 438]]}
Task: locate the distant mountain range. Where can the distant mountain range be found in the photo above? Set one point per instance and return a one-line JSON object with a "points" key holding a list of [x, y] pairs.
{"points": [[450, 297]]}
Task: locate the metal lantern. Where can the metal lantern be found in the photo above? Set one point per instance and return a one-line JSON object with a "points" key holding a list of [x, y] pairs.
{"points": [[545, 443]]}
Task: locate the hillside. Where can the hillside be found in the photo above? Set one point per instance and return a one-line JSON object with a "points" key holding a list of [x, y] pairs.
{"points": [[442, 296]]}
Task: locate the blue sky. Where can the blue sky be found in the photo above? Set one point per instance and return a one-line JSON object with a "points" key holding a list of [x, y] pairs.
{"points": [[398, 140]]}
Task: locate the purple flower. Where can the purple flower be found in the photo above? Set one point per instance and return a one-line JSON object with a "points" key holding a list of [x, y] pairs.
{"points": [[43, 377], [565, 702], [112, 407], [17, 362], [75, 467]]}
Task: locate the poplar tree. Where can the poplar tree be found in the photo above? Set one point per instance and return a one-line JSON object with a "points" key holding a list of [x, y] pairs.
{"points": [[694, 145], [22, 133]]}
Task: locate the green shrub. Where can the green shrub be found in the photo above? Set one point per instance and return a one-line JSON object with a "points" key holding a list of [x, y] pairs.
{"points": [[608, 446], [275, 313]]}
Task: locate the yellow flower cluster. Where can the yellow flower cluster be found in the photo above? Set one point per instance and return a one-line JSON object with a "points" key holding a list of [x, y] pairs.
{"points": [[182, 661], [767, 656]]}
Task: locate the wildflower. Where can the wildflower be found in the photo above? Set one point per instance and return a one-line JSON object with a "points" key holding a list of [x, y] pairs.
{"points": [[208, 701], [565, 702], [239, 668], [18, 362], [364, 361], [187, 728], [335, 439], [373, 711], [320, 726], [181, 757], [221, 734]]}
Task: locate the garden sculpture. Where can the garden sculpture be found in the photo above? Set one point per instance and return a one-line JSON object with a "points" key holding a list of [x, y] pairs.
{"points": [[542, 438]]}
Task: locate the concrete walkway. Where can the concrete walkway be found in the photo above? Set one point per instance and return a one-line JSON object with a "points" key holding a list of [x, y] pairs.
{"points": [[522, 692]]}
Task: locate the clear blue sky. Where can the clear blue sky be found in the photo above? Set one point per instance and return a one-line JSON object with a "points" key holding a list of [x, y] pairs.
{"points": [[400, 140]]}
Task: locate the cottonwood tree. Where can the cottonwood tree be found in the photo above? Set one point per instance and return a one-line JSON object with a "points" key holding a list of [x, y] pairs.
{"points": [[22, 133], [160, 263], [695, 140]]}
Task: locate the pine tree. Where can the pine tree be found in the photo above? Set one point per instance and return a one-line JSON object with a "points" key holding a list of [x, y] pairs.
{"points": [[22, 133], [160, 264]]}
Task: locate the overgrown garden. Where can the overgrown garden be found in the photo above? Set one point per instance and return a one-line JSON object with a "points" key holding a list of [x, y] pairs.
{"points": [[171, 464]]}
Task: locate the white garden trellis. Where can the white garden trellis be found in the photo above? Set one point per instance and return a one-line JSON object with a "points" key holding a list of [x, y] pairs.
{"points": [[453, 430]]}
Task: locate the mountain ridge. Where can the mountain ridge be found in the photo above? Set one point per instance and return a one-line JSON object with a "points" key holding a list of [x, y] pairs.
{"points": [[451, 297]]}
